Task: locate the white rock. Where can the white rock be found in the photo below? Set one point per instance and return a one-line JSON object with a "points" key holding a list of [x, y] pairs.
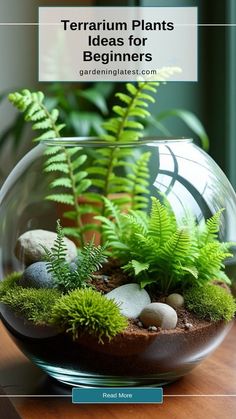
{"points": [[175, 300], [131, 299], [29, 246], [159, 315]]}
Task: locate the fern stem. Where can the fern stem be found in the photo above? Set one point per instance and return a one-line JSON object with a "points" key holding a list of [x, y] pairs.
{"points": [[167, 287], [119, 132], [75, 197], [73, 185], [132, 203]]}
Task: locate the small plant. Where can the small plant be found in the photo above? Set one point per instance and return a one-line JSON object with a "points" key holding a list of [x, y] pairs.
{"points": [[210, 302], [34, 304], [156, 250], [69, 276], [86, 310], [9, 282]]}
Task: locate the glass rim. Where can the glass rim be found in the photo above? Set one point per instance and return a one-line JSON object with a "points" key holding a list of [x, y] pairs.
{"points": [[98, 142]]}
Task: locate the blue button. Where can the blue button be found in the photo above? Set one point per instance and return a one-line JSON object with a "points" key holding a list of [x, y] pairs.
{"points": [[117, 395]]}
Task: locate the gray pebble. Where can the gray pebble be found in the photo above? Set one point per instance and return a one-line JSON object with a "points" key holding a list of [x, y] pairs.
{"points": [[188, 326], [29, 246], [159, 315], [36, 276], [130, 298], [139, 324], [175, 300], [152, 329]]}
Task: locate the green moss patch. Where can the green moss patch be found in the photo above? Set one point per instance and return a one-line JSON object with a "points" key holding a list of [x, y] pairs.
{"points": [[9, 282], [34, 304], [88, 310], [210, 302]]}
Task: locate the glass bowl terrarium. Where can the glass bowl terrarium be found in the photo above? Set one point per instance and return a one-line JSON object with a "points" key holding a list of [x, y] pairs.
{"points": [[113, 252]]}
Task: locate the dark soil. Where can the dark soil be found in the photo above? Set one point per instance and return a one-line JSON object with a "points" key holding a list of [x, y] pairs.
{"points": [[110, 276]]}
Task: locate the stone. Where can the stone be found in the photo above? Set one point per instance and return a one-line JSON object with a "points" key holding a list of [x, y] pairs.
{"points": [[175, 300], [105, 279], [36, 276], [29, 246], [188, 326], [130, 298], [159, 315], [152, 329]]}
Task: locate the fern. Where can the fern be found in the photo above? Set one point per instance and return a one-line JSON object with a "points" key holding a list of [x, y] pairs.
{"points": [[140, 181], [162, 222], [210, 260], [31, 104], [71, 182], [209, 231], [113, 172], [122, 129], [90, 260], [157, 251], [67, 276]]}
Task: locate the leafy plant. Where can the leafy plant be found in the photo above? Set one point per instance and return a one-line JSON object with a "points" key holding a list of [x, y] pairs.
{"points": [[114, 171], [189, 119], [123, 128], [88, 311], [82, 110], [156, 250], [66, 162], [69, 276], [34, 304], [210, 302]]}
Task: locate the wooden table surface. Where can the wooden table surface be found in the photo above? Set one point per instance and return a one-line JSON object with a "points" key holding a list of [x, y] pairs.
{"points": [[209, 391]]}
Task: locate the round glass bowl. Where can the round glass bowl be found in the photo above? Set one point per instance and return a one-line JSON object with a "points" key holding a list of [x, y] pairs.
{"points": [[193, 184]]}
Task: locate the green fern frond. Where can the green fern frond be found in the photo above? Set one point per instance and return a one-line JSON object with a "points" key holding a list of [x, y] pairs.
{"points": [[112, 210], [64, 181], [51, 150], [31, 104], [140, 178], [57, 167], [91, 260], [67, 277], [123, 128], [177, 246], [158, 251], [162, 223], [61, 198], [210, 260], [136, 267], [210, 229], [60, 159]]}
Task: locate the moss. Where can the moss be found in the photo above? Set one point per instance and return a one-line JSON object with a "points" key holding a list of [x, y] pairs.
{"points": [[9, 282], [35, 304], [88, 310], [210, 302]]}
